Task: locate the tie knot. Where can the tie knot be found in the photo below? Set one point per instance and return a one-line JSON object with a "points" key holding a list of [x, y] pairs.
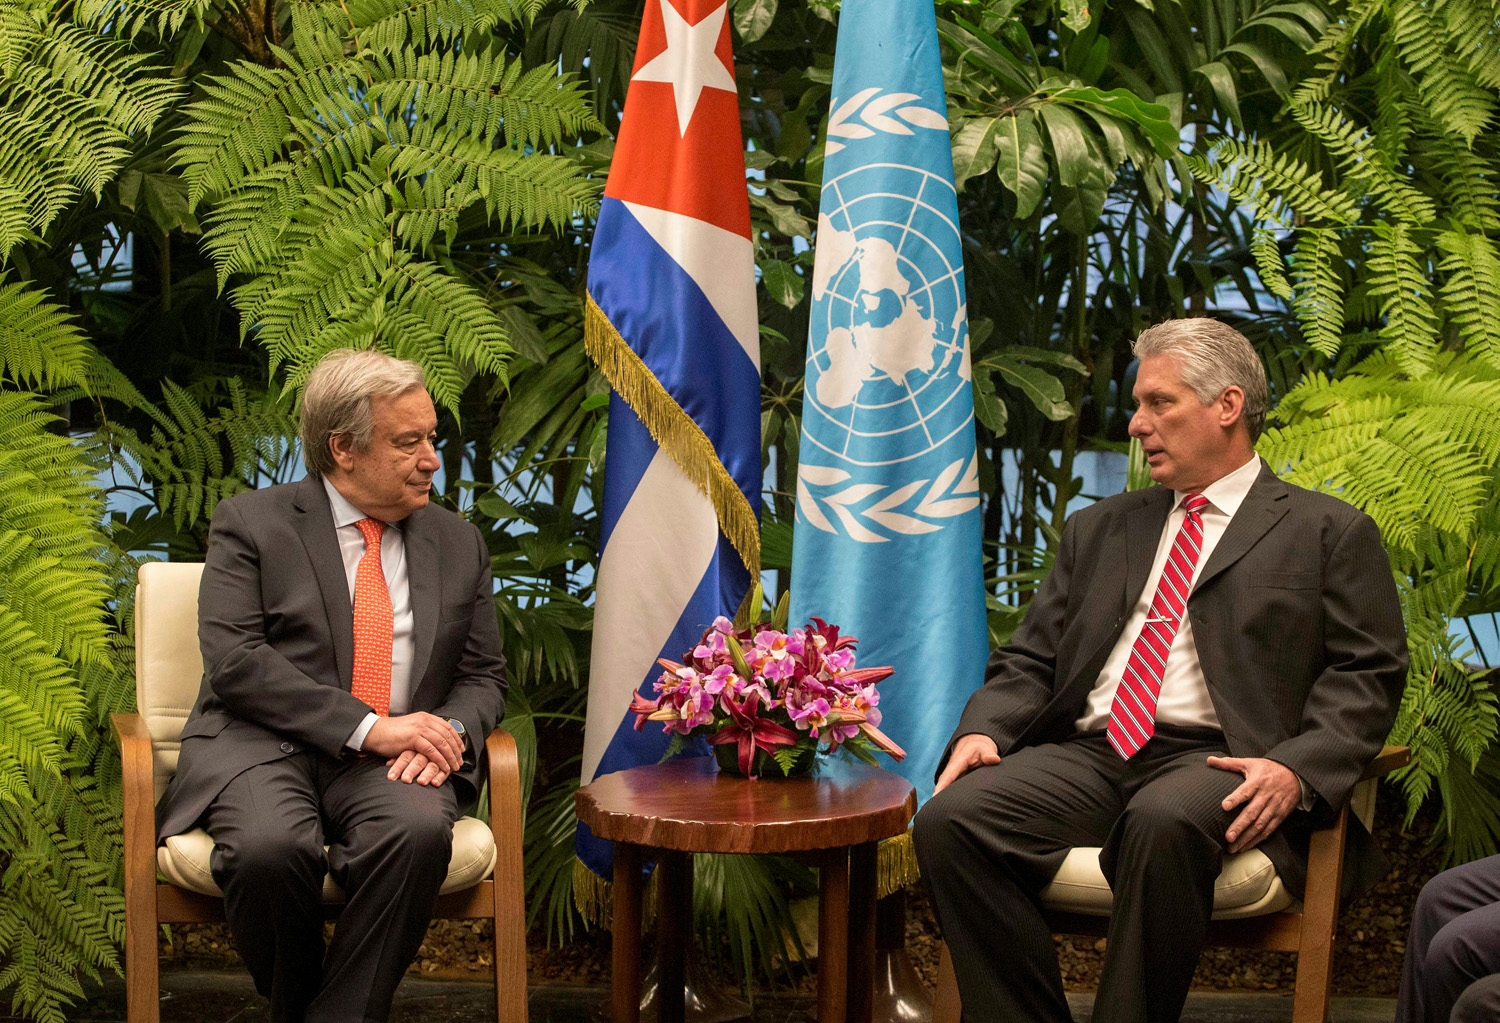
{"points": [[371, 528], [1195, 503]]}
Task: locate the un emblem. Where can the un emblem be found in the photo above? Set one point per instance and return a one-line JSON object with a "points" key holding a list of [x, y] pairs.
{"points": [[888, 435]]}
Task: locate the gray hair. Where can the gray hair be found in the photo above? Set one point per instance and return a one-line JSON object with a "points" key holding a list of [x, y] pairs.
{"points": [[1212, 357], [336, 399]]}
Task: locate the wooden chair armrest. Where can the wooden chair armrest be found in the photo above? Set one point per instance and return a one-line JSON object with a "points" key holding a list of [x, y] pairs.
{"points": [[136, 766], [505, 773], [1388, 760]]}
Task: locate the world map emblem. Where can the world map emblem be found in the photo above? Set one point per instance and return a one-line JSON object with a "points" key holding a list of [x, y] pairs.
{"points": [[888, 434]]}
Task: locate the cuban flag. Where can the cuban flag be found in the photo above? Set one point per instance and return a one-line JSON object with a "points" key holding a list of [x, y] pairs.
{"points": [[887, 532], [671, 321]]}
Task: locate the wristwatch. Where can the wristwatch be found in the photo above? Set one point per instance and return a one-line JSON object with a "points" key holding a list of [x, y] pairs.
{"points": [[458, 726]]}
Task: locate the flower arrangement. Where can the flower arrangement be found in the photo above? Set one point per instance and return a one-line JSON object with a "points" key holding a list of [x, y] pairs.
{"points": [[770, 696]]}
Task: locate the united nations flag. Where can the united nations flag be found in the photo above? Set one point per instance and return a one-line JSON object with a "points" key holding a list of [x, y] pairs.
{"points": [[887, 534]]}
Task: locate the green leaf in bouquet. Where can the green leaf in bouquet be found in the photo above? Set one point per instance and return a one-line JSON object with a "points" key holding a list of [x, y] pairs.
{"points": [[674, 746], [786, 757], [860, 749], [737, 655], [783, 612]]}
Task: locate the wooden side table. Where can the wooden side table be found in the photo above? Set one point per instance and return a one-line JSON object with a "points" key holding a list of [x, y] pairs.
{"points": [[685, 806]]}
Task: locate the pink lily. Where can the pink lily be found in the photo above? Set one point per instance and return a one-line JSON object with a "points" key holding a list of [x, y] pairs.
{"points": [[750, 732]]}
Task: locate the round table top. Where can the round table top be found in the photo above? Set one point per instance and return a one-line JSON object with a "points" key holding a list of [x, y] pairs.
{"points": [[686, 804]]}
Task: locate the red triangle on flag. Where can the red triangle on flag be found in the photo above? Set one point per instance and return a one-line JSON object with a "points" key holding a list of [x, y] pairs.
{"points": [[698, 172]]}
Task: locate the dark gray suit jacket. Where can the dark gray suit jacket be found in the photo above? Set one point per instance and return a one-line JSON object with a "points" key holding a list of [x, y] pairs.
{"points": [[1298, 629], [276, 629]]}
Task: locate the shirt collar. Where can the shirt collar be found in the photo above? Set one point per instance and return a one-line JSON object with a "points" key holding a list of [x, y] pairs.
{"points": [[344, 513], [1229, 491]]}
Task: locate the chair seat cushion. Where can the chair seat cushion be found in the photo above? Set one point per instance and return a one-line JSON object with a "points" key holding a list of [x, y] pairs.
{"points": [[183, 860], [1247, 886]]}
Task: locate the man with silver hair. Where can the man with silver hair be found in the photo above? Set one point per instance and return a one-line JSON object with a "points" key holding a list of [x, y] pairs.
{"points": [[352, 670], [1207, 669]]}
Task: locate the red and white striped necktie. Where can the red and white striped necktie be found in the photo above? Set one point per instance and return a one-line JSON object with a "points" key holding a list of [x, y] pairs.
{"points": [[1132, 717]]}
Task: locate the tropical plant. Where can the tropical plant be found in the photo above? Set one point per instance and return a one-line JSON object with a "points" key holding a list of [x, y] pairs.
{"points": [[340, 173], [1382, 193], [61, 911]]}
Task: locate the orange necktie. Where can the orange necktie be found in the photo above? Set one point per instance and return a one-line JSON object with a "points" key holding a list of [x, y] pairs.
{"points": [[372, 624]]}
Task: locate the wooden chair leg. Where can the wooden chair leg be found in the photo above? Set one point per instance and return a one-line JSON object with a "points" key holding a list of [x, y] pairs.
{"points": [[1320, 917], [506, 825], [946, 1007]]}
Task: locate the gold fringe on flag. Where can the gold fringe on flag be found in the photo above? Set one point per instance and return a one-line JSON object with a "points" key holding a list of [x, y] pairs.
{"points": [[591, 897], [895, 865], [674, 430]]}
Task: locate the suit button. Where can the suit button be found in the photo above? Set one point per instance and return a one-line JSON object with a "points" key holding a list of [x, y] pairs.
{"points": [[287, 747]]}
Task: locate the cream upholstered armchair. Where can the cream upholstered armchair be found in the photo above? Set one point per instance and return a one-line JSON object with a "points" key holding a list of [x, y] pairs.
{"points": [[172, 884], [1252, 909]]}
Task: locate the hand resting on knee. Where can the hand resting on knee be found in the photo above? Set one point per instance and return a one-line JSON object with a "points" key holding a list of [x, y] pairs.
{"points": [[971, 751]]}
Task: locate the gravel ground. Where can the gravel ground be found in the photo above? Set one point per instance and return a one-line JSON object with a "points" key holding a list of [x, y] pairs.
{"points": [[1368, 951]]}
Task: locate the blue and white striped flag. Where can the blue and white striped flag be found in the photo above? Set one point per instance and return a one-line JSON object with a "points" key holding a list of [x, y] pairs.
{"points": [[671, 321], [887, 535]]}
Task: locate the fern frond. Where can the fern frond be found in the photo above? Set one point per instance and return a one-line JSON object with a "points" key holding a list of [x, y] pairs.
{"points": [[1471, 290], [1399, 280], [1318, 289], [242, 121], [520, 191], [1266, 250], [1454, 98], [132, 17], [1470, 182], [480, 95], [71, 101], [1363, 160], [387, 26], [1279, 187], [40, 345]]}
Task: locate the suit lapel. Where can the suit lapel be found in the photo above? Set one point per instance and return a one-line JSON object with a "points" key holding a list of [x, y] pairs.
{"points": [[1142, 537], [422, 575], [315, 526], [1262, 508]]}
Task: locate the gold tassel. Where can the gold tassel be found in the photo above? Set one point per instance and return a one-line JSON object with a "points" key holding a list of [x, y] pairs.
{"points": [[895, 865], [592, 897], [674, 430]]}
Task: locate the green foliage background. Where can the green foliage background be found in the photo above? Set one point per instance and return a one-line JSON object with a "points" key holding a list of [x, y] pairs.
{"points": [[419, 175]]}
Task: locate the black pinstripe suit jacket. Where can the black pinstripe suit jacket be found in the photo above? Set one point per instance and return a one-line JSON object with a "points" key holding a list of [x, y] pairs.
{"points": [[1298, 629]]}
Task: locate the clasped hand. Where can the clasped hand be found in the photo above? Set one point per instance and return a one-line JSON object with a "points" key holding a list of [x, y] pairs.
{"points": [[421, 747]]}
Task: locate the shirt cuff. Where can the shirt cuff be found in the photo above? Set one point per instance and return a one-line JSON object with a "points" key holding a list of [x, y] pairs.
{"points": [[356, 740], [1307, 794]]}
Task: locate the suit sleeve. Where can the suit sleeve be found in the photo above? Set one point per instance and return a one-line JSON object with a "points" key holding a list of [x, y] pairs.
{"points": [[1019, 679], [1353, 703], [477, 694], [255, 681]]}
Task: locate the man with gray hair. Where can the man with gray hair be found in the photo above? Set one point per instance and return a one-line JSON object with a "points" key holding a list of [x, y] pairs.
{"points": [[1207, 668], [352, 670]]}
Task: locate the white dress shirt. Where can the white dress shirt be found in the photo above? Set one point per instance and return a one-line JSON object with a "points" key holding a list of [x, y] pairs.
{"points": [[393, 561], [1184, 696]]}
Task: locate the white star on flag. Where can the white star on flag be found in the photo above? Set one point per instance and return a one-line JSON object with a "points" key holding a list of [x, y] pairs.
{"points": [[689, 63]]}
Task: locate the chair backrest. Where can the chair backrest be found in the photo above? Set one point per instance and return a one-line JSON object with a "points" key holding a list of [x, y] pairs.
{"points": [[168, 664]]}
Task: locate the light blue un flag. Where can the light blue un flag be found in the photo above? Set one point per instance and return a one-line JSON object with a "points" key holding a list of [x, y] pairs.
{"points": [[887, 535]]}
